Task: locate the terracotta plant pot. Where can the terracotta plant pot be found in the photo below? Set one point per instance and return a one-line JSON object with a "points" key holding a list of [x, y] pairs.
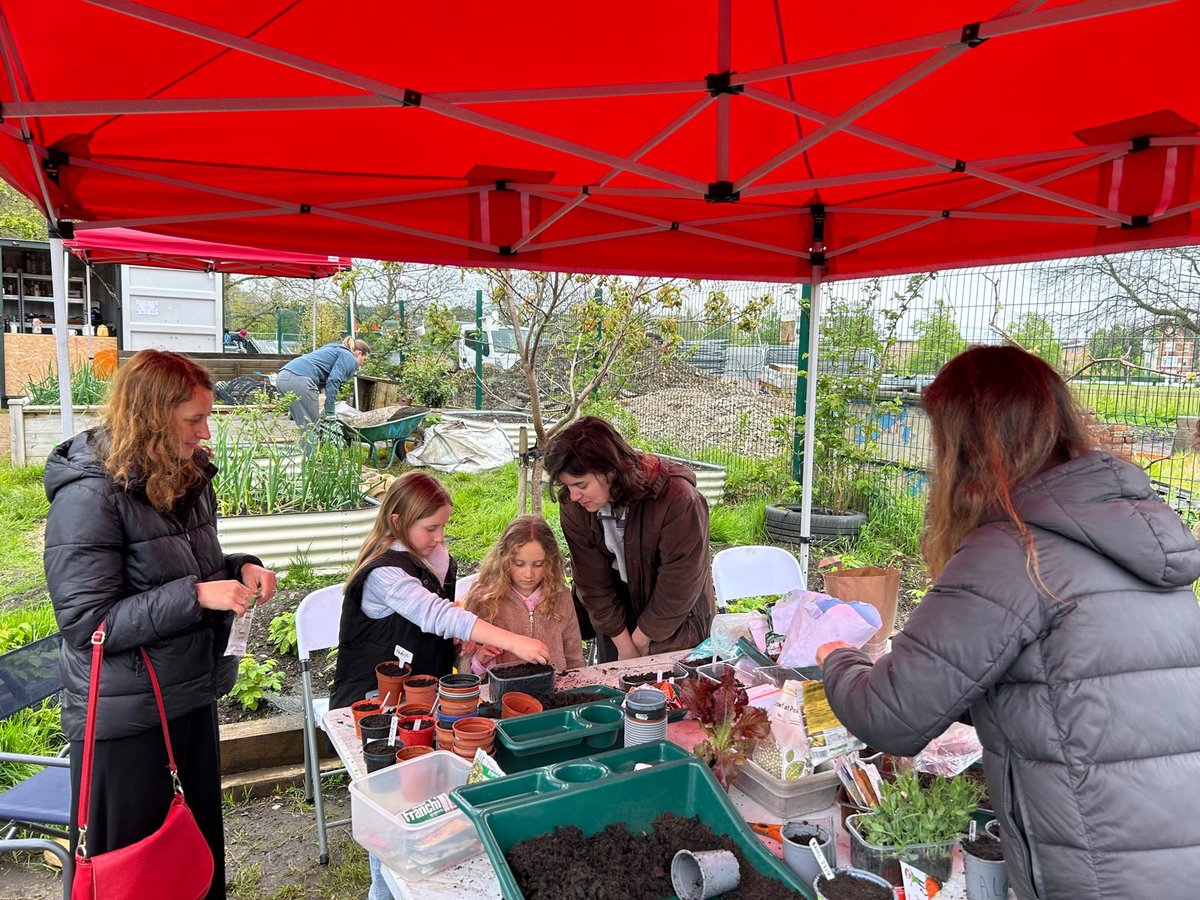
{"points": [[422, 689], [360, 711], [457, 709], [516, 703], [411, 753], [445, 738], [473, 733], [390, 678], [413, 709], [416, 731], [375, 728]]}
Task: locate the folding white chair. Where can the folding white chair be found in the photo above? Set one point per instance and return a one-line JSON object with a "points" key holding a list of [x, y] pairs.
{"points": [[318, 619], [463, 587], [753, 572]]}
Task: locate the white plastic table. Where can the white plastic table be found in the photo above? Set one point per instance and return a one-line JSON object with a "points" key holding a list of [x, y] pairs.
{"points": [[477, 878]]}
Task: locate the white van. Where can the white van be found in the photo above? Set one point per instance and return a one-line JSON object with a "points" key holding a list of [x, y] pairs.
{"points": [[497, 342]]}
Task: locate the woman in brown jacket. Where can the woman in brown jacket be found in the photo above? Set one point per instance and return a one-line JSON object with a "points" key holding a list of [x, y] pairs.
{"points": [[637, 529]]}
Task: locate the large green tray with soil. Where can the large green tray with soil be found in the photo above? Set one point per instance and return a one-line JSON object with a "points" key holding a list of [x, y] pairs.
{"points": [[604, 789]]}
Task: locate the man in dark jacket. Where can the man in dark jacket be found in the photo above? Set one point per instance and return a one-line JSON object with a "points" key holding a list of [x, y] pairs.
{"points": [[1087, 703], [658, 596]]}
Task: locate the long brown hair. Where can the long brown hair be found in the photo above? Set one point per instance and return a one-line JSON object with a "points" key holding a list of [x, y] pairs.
{"points": [[141, 440], [495, 574], [411, 497], [592, 446], [999, 416]]}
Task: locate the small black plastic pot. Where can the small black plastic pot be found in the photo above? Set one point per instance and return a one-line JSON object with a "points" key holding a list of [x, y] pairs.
{"points": [[379, 755], [376, 728]]}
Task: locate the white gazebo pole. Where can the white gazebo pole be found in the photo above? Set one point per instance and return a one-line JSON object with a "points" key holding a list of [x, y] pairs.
{"points": [[810, 419], [58, 271], [314, 306]]}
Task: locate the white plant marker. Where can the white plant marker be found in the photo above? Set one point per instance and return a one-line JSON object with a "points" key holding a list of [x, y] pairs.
{"points": [[971, 831], [826, 870], [404, 657], [392, 730]]}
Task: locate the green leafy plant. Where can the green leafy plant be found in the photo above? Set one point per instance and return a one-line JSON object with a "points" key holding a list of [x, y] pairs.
{"points": [[908, 814], [86, 388], [35, 731], [752, 604], [281, 633], [15, 635], [733, 726], [254, 680], [260, 469]]}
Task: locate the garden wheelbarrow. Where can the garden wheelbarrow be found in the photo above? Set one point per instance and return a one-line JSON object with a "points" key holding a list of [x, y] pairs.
{"points": [[395, 433]]}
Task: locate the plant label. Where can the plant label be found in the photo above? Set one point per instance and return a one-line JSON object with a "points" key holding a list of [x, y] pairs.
{"points": [[392, 730], [819, 854], [404, 657], [971, 830], [917, 884]]}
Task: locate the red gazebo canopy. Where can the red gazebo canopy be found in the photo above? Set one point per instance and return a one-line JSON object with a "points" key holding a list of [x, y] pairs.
{"points": [[141, 248], [708, 138]]}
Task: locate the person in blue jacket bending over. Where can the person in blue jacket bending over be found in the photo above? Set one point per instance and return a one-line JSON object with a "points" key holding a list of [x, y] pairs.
{"points": [[326, 368]]}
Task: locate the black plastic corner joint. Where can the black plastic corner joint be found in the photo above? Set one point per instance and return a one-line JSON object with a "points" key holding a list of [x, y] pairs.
{"points": [[717, 83], [1139, 143], [411, 97], [1136, 222], [945, 213], [722, 192], [960, 165], [674, 226], [305, 209], [502, 185], [507, 250], [63, 230], [817, 259], [53, 163], [817, 210], [970, 35]]}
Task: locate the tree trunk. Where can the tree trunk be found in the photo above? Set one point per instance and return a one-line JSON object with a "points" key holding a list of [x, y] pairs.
{"points": [[536, 488]]}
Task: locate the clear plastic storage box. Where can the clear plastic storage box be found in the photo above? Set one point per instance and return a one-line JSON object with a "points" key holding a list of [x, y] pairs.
{"points": [[787, 799], [413, 851]]}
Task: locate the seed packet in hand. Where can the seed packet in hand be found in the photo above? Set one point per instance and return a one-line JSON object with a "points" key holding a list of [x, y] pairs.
{"points": [[239, 631]]}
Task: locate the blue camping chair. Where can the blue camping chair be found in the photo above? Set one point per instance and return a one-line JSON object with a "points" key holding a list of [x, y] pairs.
{"points": [[42, 802]]}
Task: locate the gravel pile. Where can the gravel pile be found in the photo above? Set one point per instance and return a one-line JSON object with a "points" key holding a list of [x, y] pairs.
{"points": [[721, 414]]}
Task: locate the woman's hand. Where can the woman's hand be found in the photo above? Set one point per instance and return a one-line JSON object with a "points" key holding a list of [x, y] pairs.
{"points": [[529, 649], [226, 595], [825, 649], [259, 580], [641, 642]]}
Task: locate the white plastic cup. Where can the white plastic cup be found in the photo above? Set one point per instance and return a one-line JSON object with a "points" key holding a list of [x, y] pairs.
{"points": [[698, 875]]}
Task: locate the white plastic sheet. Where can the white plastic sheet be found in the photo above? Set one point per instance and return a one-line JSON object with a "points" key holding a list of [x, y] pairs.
{"points": [[461, 446]]}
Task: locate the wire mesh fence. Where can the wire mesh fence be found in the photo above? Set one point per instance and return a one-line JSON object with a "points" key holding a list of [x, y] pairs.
{"points": [[1124, 331]]}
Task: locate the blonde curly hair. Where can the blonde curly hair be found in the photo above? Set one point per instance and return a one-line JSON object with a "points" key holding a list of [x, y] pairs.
{"points": [[495, 574]]}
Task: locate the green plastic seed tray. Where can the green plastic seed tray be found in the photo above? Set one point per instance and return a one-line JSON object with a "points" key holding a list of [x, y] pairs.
{"points": [[596, 725], [604, 789]]}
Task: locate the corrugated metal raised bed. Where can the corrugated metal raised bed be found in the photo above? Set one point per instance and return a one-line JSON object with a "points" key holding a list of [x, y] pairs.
{"points": [[329, 541]]}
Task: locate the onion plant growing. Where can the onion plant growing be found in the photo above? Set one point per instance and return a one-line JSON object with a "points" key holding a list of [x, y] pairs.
{"points": [[261, 469], [87, 389]]}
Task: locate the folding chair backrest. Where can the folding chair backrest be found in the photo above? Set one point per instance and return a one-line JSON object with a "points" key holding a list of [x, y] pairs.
{"points": [[754, 572], [463, 587], [318, 619], [29, 674]]}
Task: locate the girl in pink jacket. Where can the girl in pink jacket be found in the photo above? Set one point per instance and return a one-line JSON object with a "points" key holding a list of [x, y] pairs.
{"points": [[521, 588]]}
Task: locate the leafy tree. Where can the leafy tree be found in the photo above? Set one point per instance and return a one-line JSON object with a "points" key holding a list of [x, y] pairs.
{"points": [[1121, 341], [19, 218], [938, 340], [1034, 333], [578, 333]]}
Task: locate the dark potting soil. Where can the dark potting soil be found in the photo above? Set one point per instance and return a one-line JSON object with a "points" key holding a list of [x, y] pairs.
{"points": [[847, 887], [421, 681], [489, 711], [521, 670], [391, 670], [647, 677], [564, 865], [984, 848], [380, 748], [559, 699], [376, 721]]}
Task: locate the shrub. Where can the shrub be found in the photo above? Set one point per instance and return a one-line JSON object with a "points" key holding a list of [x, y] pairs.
{"points": [[281, 633], [254, 680]]}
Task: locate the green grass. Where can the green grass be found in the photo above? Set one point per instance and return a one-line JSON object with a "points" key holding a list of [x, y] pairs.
{"points": [[1138, 404], [1178, 471], [23, 507], [37, 731], [739, 523], [483, 506]]}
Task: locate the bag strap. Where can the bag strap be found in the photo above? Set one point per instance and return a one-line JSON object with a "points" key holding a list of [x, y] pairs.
{"points": [[89, 734]]}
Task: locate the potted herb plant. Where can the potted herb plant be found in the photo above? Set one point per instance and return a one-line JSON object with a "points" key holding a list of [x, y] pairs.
{"points": [[914, 824], [732, 725]]}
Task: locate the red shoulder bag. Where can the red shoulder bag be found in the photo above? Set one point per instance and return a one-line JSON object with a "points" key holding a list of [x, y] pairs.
{"points": [[173, 863]]}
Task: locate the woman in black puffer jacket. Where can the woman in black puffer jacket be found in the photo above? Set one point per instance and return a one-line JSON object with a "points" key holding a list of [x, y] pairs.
{"points": [[131, 541]]}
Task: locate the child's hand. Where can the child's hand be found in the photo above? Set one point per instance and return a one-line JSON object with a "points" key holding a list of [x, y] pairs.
{"points": [[485, 655], [530, 649]]}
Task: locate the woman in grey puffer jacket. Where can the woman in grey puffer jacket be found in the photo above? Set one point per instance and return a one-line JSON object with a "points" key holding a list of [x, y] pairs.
{"points": [[1063, 620]]}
